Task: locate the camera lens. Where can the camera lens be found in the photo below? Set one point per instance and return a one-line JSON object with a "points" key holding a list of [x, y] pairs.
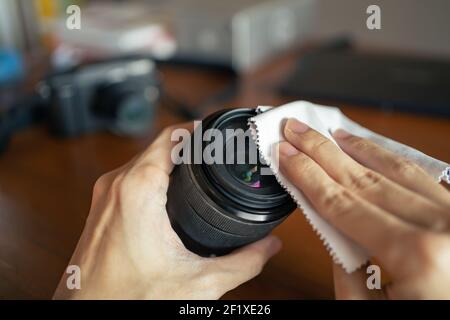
{"points": [[218, 206], [125, 108]]}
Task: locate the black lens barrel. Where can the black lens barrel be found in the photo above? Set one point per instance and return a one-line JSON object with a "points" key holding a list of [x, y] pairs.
{"points": [[208, 219]]}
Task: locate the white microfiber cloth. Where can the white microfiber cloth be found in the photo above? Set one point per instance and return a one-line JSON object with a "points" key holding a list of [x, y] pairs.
{"points": [[267, 130]]}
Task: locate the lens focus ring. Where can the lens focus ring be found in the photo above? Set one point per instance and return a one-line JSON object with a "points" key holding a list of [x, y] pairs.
{"points": [[203, 222]]}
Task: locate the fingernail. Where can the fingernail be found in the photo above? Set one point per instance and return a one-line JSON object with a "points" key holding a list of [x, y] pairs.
{"points": [[296, 126], [341, 134], [275, 244], [287, 149]]}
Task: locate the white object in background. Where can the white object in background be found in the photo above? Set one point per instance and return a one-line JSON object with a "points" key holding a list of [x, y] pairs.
{"points": [[11, 33], [267, 130], [267, 28], [119, 29]]}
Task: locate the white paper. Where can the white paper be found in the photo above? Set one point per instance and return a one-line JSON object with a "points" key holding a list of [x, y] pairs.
{"points": [[267, 130]]}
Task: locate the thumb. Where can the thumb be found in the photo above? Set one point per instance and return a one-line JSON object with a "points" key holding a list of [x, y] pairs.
{"points": [[247, 262]]}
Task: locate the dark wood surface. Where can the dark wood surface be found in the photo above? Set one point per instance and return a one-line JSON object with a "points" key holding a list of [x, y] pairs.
{"points": [[46, 184]]}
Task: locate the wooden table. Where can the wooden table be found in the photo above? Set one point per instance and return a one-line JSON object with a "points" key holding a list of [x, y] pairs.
{"points": [[46, 184]]}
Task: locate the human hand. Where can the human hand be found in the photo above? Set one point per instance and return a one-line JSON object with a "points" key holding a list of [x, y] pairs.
{"points": [[388, 205], [128, 249]]}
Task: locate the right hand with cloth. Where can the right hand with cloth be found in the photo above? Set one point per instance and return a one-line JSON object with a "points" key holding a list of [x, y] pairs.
{"points": [[386, 204]]}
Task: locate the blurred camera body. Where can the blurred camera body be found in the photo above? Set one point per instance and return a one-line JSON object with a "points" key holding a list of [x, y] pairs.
{"points": [[115, 95]]}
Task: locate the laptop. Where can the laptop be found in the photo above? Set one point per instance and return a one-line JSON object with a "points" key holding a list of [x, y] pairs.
{"points": [[392, 82]]}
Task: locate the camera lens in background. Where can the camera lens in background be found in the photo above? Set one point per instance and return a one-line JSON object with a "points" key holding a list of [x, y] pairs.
{"points": [[216, 208], [127, 110]]}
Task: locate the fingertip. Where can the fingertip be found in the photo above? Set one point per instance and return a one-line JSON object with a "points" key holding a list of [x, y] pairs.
{"points": [[341, 134], [266, 247], [271, 245], [295, 126], [190, 126], [276, 245], [287, 150]]}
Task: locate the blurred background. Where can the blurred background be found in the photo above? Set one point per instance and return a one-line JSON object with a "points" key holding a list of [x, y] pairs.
{"points": [[85, 85]]}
